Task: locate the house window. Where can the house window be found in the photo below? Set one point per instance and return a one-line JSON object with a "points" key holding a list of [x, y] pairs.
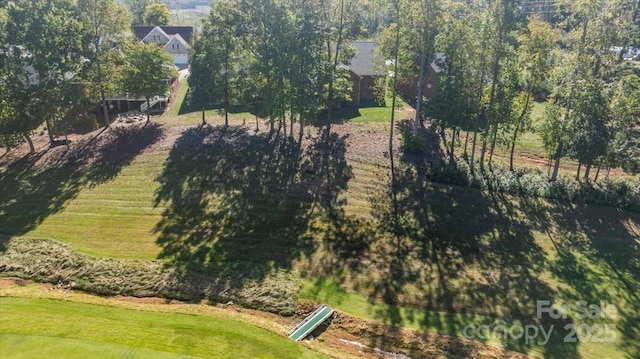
{"points": [[428, 86]]}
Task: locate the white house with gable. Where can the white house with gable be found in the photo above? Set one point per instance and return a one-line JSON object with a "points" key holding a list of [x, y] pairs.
{"points": [[173, 39]]}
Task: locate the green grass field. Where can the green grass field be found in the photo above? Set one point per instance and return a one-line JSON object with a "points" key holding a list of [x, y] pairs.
{"points": [[534, 249], [181, 114], [43, 328], [113, 219], [461, 256]]}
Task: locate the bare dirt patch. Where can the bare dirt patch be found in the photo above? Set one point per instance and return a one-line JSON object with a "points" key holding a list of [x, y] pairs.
{"points": [[373, 339]]}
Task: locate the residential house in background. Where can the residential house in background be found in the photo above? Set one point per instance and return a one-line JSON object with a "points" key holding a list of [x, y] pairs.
{"points": [[410, 89], [364, 75], [174, 39], [363, 72]]}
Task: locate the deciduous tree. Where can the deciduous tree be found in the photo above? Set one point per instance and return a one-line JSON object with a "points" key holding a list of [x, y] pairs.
{"points": [[148, 71], [137, 7], [538, 41], [48, 41], [156, 14], [106, 21]]}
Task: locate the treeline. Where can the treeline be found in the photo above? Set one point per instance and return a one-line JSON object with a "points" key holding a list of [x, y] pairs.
{"points": [[502, 56], [59, 59], [279, 59], [282, 59]]}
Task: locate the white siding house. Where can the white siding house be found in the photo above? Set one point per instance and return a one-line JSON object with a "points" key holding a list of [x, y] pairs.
{"points": [[174, 39]]}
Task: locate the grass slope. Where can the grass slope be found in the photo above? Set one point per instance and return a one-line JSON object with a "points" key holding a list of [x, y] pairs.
{"points": [[461, 256], [49, 328], [113, 219]]}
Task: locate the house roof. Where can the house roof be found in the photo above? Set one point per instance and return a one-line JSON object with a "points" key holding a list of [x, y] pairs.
{"points": [[176, 38], [363, 63], [186, 32], [156, 30]]}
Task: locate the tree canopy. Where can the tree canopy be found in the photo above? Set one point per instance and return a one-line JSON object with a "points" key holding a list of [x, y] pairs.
{"points": [[148, 71], [156, 14], [46, 52]]}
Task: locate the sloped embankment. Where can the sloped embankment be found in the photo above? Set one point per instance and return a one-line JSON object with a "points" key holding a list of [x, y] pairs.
{"points": [[53, 262]]}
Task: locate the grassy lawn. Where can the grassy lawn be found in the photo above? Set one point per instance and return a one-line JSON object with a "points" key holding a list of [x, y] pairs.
{"points": [[112, 219], [43, 328], [531, 249], [483, 257], [330, 292], [182, 114], [362, 114], [452, 256], [371, 112]]}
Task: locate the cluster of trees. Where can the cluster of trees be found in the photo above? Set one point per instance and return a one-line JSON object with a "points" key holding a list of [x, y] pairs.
{"points": [[280, 58], [500, 58], [148, 12], [59, 59]]}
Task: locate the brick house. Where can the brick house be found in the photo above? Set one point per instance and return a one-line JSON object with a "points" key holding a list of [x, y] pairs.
{"points": [[410, 89]]}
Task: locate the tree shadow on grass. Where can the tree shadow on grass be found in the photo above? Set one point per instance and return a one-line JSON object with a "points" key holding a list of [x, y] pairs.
{"points": [[599, 260], [454, 250], [39, 185], [239, 205]]}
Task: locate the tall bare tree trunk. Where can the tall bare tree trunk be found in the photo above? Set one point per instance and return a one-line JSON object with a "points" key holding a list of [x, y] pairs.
{"points": [[494, 80], [453, 144], [97, 38], [284, 125], [513, 147], [335, 61], [578, 173], [26, 136], [394, 197], [291, 121], [105, 109], [301, 129], [493, 146], [587, 172], [483, 148], [466, 144], [423, 67], [226, 84], [473, 150], [557, 155], [559, 149], [50, 131], [518, 125]]}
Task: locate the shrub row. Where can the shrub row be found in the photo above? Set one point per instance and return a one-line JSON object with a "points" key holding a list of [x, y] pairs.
{"points": [[53, 262], [623, 194]]}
